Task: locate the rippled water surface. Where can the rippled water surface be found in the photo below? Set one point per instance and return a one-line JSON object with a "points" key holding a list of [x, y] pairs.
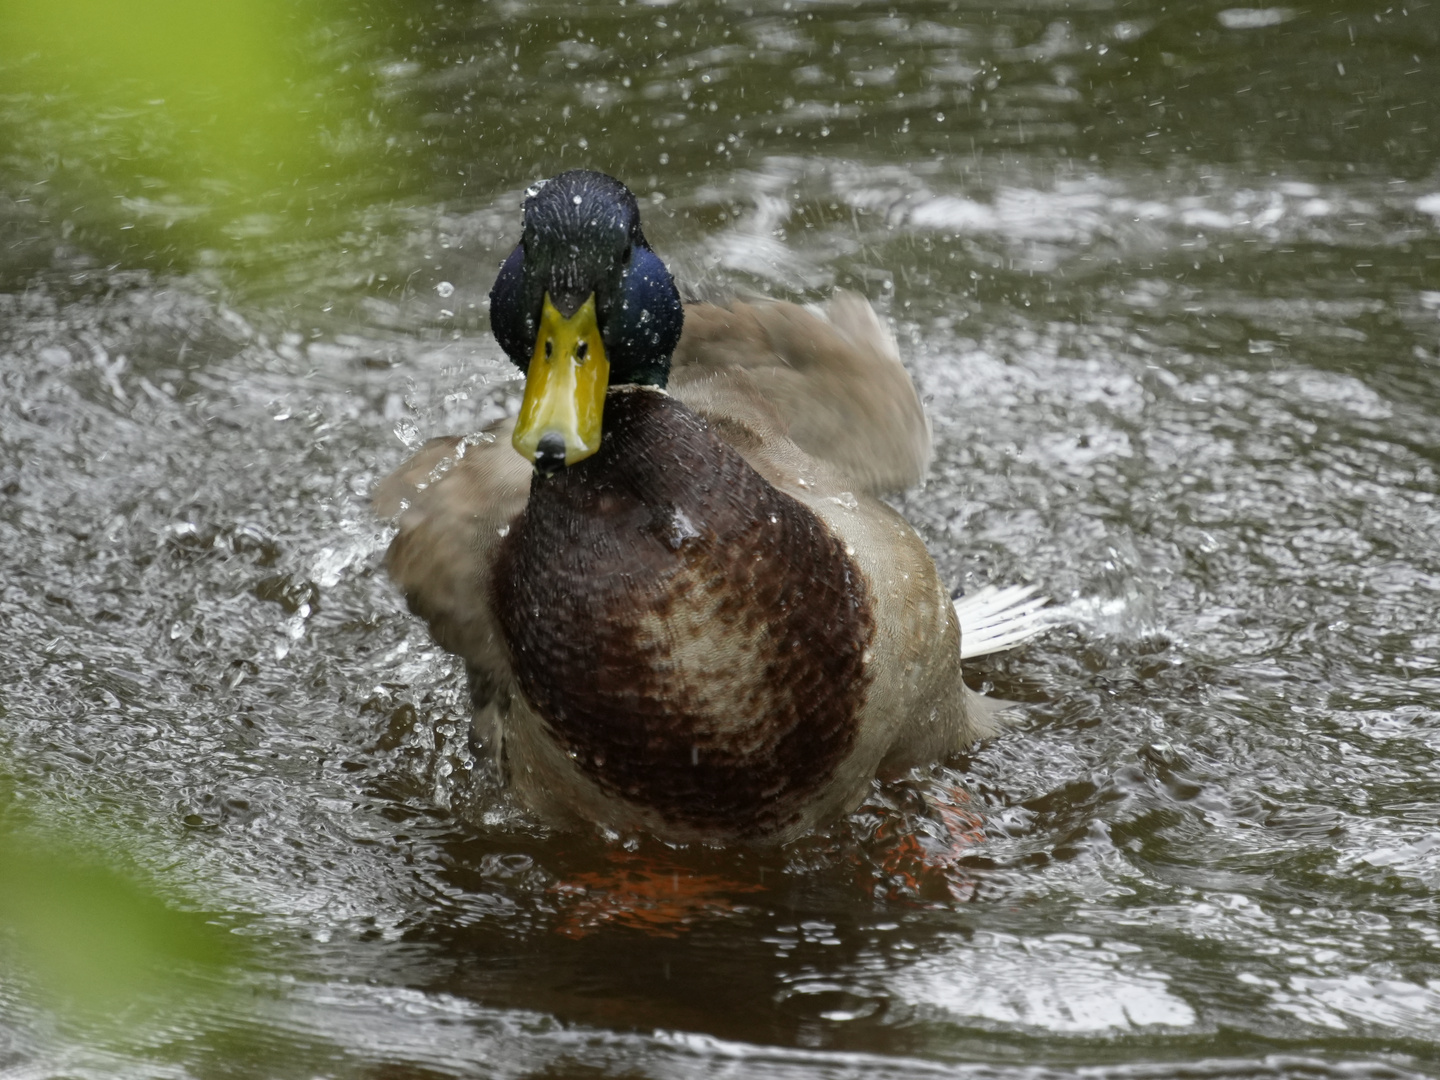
{"points": [[1168, 276]]}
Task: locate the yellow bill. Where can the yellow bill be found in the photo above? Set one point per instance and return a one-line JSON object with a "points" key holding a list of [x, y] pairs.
{"points": [[564, 387]]}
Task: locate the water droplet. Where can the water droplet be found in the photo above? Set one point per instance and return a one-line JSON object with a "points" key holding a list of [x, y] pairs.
{"points": [[681, 529], [445, 290], [576, 200]]}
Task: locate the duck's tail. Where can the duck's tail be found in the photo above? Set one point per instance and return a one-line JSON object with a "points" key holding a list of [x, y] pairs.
{"points": [[993, 619]]}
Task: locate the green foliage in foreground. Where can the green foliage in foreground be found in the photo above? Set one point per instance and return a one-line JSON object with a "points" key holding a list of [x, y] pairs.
{"points": [[181, 134], [94, 940]]}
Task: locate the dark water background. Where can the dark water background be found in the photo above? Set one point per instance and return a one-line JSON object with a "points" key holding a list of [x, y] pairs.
{"points": [[1169, 278]]}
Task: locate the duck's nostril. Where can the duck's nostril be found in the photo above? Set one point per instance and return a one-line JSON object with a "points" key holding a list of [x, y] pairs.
{"points": [[582, 350]]}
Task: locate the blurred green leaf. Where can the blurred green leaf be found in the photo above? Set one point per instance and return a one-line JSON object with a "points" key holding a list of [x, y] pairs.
{"points": [[164, 128], [94, 938], [216, 71], [223, 47]]}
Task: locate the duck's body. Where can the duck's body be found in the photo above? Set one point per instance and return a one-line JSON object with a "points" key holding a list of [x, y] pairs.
{"points": [[708, 628]]}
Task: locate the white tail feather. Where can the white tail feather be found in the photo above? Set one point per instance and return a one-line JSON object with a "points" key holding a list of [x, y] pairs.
{"points": [[993, 619]]}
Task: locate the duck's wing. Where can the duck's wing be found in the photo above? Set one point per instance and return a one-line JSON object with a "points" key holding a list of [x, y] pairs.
{"points": [[831, 376], [453, 501]]}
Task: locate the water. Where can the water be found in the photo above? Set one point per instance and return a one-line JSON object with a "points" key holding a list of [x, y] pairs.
{"points": [[1169, 279]]}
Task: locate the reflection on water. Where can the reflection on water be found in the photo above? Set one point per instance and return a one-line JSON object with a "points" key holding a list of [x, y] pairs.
{"points": [[1168, 281]]}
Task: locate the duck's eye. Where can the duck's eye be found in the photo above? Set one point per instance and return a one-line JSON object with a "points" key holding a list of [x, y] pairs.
{"points": [[582, 350], [549, 348], [625, 258]]}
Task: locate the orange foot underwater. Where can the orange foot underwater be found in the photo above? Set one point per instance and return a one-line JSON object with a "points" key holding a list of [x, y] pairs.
{"points": [[659, 896], [909, 857], [918, 857]]}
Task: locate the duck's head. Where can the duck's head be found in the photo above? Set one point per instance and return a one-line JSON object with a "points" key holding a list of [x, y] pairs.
{"points": [[581, 304]]}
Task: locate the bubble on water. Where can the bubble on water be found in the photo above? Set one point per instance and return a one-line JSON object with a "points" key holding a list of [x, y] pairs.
{"points": [[445, 290]]}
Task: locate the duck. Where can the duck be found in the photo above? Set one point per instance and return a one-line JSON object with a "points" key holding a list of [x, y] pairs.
{"points": [[683, 607]]}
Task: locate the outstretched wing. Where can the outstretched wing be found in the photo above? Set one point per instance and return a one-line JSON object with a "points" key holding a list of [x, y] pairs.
{"points": [[830, 375], [453, 502]]}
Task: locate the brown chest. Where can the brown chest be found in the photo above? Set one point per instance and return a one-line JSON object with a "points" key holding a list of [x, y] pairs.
{"points": [[694, 639]]}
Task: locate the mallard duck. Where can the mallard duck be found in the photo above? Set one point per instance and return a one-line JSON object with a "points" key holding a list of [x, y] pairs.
{"points": [[683, 608]]}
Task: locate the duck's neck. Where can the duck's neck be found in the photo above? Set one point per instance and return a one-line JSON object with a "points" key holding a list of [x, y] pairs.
{"points": [[655, 455], [694, 638]]}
